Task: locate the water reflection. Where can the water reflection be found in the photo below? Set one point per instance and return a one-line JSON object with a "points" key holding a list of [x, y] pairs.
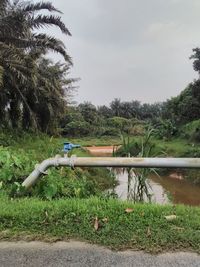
{"points": [[159, 195], [164, 189], [182, 191]]}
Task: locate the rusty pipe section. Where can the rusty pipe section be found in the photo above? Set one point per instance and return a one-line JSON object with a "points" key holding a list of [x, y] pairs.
{"points": [[109, 162]]}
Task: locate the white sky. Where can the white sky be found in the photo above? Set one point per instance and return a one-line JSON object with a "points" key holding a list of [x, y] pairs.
{"points": [[130, 49]]}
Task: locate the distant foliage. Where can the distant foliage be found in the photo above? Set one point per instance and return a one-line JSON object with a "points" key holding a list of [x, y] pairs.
{"points": [[191, 131]]}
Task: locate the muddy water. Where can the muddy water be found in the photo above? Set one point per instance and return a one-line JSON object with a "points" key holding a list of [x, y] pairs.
{"points": [[164, 189]]}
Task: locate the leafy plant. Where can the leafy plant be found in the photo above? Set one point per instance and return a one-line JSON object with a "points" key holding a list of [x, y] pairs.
{"points": [[138, 186], [165, 129]]}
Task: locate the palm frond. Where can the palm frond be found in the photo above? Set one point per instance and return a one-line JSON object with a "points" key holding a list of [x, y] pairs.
{"points": [[10, 51], [42, 21], [3, 4], [1, 75], [51, 43], [14, 24], [30, 7]]}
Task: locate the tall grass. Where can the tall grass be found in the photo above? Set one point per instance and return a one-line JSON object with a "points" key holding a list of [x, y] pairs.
{"points": [[138, 188]]}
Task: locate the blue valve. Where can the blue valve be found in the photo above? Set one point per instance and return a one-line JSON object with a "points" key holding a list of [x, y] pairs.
{"points": [[69, 146]]}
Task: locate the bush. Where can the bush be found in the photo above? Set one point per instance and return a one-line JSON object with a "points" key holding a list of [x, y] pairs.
{"points": [[77, 128], [67, 183], [166, 129], [61, 182], [15, 166], [19, 160], [137, 130], [119, 123], [191, 131], [110, 131]]}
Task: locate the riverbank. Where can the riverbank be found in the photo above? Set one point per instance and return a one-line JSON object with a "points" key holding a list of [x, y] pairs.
{"points": [[111, 223]]}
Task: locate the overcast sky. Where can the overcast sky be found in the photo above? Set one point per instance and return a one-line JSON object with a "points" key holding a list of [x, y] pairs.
{"points": [[131, 49]]}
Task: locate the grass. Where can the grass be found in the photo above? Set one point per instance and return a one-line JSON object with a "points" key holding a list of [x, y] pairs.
{"points": [[49, 146], [100, 141], [174, 147], [145, 228], [177, 147]]}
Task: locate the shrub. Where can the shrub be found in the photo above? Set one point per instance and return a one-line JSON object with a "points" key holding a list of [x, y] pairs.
{"points": [[110, 131], [77, 128], [166, 129], [122, 124], [137, 130], [191, 131], [67, 183]]}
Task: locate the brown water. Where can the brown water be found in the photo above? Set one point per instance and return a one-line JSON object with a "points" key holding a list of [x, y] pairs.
{"points": [[164, 189]]}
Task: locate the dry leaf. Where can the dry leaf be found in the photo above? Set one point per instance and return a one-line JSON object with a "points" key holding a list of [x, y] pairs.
{"points": [[96, 224], [129, 210], [170, 217], [148, 231], [105, 220]]}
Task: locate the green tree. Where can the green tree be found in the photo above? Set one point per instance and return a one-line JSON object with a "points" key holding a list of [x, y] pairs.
{"points": [[115, 106], [23, 81], [196, 57], [88, 111]]}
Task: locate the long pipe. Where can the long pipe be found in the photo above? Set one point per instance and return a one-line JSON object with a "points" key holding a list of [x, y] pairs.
{"points": [[109, 162]]}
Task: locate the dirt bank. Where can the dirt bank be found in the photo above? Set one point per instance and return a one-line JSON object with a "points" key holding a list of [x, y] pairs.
{"points": [[101, 150]]}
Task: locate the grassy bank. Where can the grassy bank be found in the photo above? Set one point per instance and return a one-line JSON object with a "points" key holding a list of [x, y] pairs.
{"points": [[145, 227], [49, 146], [177, 147]]}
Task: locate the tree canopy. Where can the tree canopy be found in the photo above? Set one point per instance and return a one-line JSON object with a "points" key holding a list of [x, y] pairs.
{"points": [[33, 89]]}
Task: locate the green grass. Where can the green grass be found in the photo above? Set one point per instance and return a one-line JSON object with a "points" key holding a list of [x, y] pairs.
{"points": [[143, 229], [177, 147], [100, 141], [174, 147], [49, 146]]}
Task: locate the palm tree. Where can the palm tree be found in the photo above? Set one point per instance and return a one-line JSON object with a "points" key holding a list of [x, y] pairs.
{"points": [[20, 48], [115, 106], [49, 101], [18, 20]]}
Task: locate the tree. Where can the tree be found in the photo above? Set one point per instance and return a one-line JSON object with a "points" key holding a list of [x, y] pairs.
{"points": [[104, 111], [48, 102], [185, 107], [115, 106], [89, 112], [196, 57], [25, 85], [151, 111]]}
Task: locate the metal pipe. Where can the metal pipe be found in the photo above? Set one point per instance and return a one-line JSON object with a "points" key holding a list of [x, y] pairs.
{"points": [[110, 162]]}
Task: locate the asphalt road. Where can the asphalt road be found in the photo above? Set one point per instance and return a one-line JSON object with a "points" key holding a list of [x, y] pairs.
{"points": [[80, 254]]}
